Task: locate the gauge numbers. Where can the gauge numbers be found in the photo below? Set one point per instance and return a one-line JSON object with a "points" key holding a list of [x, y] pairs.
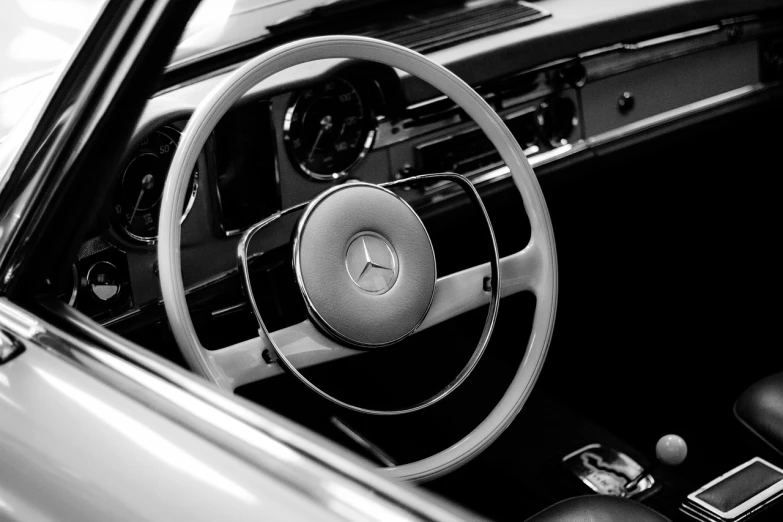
{"points": [[139, 191], [328, 130]]}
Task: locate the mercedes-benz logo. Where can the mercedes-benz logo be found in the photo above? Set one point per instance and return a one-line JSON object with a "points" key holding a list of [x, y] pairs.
{"points": [[371, 263]]}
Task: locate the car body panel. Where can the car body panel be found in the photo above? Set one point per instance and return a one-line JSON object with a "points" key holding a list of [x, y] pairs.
{"points": [[74, 448], [102, 431]]}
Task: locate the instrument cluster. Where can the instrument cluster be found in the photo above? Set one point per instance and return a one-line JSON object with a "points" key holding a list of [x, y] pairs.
{"points": [[319, 133], [279, 149]]}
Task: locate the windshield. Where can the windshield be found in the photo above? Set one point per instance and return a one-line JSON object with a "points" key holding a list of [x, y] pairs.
{"points": [[220, 25], [37, 37]]}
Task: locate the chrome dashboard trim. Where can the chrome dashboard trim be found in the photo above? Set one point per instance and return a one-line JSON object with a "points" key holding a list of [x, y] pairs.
{"points": [[441, 191], [670, 38], [673, 115], [500, 172], [674, 37]]}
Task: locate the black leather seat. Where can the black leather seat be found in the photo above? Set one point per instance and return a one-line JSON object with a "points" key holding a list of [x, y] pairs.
{"points": [[760, 408], [598, 508]]}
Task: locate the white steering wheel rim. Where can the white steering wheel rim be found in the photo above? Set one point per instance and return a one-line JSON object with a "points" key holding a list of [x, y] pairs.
{"points": [[227, 93]]}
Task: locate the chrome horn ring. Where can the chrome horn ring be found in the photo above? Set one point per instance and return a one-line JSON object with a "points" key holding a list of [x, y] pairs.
{"points": [[243, 254]]}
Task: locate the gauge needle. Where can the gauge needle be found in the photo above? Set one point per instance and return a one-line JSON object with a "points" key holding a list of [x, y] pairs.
{"points": [[136, 206], [326, 124], [315, 145]]}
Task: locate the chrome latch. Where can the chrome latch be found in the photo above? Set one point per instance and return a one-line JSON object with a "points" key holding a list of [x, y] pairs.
{"points": [[10, 347]]}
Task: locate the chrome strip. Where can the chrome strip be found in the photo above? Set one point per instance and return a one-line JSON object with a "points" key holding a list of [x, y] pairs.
{"points": [[371, 448], [644, 44], [227, 310], [502, 172], [441, 191], [673, 37]]}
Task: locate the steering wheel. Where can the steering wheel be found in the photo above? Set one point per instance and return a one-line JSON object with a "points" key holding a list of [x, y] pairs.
{"points": [[364, 261]]}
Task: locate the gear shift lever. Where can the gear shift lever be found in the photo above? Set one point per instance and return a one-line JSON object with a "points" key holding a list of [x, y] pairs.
{"points": [[670, 450]]}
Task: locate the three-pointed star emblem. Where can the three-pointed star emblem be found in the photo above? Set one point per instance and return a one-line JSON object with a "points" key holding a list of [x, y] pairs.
{"points": [[371, 263]]}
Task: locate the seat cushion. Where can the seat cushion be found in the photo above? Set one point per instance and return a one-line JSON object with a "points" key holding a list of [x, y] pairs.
{"points": [[598, 508], [760, 408]]}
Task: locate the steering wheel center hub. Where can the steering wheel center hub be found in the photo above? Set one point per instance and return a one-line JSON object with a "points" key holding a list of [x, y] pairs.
{"points": [[365, 265]]}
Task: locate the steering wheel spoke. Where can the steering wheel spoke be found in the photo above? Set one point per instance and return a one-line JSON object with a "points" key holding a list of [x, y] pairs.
{"points": [[304, 345], [253, 360], [467, 290]]}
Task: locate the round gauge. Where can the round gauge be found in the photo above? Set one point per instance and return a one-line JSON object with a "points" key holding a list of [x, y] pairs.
{"points": [[138, 194], [103, 280], [328, 130]]}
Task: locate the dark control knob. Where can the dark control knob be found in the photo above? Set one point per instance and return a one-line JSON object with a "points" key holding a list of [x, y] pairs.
{"points": [[626, 102], [574, 75], [557, 119]]}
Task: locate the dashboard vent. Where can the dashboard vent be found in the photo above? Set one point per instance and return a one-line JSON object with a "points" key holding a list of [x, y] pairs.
{"points": [[440, 28], [424, 26]]}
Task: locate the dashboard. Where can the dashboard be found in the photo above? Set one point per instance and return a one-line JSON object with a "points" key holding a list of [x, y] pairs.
{"points": [[333, 121]]}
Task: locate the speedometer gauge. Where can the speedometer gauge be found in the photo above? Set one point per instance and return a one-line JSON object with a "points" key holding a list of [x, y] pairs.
{"points": [[139, 191], [328, 130]]}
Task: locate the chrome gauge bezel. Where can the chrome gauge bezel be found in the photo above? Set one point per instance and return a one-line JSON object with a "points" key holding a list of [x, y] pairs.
{"points": [[191, 197], [368, 121], [88, 284]]}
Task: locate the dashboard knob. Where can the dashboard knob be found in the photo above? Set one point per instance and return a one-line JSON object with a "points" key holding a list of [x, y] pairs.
{"points": [[626, 103], [574, 75], [557, 119], [671, 450]]}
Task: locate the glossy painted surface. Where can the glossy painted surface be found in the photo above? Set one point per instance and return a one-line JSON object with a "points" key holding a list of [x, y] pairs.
{"points": [[73, 448], [88, 435]]}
